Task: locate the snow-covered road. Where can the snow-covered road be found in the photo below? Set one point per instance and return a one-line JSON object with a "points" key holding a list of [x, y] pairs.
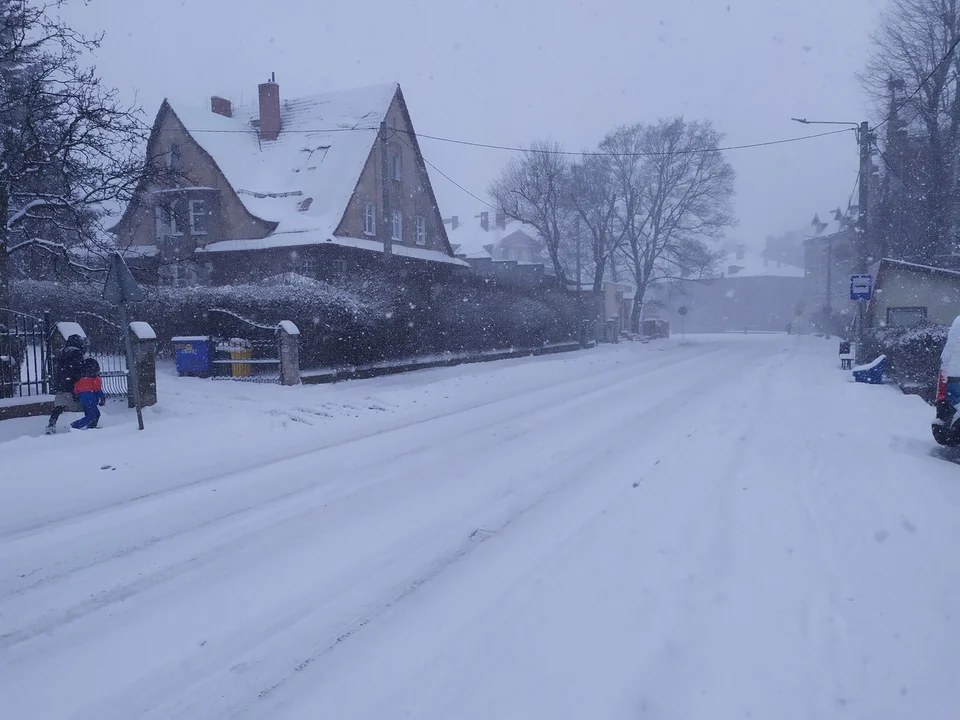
{"points": [[723, 528]]}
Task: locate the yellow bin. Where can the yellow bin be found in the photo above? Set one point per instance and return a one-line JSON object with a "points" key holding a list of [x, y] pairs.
{"points": [[241, 369]]}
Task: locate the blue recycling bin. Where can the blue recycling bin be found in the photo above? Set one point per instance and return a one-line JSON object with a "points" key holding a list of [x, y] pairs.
{"points": [[872, 373], [193, 356]]}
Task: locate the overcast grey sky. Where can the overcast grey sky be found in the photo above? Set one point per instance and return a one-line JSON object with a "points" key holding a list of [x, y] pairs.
{"points": [[511, 71]]}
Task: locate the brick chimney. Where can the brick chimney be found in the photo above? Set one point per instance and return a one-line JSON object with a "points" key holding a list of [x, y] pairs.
{"points": [[221, 106], [454, 222], [485, 220], [502, 220], [269, 109]]}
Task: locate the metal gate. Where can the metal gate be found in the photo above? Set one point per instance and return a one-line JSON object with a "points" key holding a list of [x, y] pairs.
{"points": [[24, 354], [107, 347], [242, 349]]}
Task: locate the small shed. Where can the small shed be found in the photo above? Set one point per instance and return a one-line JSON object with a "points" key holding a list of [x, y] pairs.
{"points": [[907, 294]]}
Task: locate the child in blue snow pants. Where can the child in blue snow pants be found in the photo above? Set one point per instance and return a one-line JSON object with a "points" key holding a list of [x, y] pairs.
{"points": [[89, 391]]}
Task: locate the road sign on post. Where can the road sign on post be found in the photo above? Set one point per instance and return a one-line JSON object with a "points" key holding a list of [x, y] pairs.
{"points": [[119, 289], [682, 311], [861, 287]]}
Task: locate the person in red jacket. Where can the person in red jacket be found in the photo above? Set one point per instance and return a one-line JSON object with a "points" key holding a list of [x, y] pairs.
{"points": [[89, 391]]}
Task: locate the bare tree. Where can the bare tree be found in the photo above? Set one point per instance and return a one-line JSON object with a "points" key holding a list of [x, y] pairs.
{"points": [[68, 147], [676, 191], [533, 189], [913, 51], [593, 196]]}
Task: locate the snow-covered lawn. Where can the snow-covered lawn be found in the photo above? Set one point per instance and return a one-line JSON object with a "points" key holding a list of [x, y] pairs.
{"points": [[719, 528]]}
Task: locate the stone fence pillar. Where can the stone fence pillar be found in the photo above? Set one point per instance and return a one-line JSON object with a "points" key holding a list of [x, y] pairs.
{"points": [[289, 339], [144, 341]]}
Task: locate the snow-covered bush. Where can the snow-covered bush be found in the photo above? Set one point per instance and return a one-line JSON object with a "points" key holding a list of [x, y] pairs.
{"points": [[913, 354], [366, 320]]}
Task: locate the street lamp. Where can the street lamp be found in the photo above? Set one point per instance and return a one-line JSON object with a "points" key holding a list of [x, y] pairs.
{"points": [[863, 140]]}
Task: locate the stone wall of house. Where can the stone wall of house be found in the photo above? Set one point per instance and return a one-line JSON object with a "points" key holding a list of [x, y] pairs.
{"points": [[412, 194], [227, 217]]}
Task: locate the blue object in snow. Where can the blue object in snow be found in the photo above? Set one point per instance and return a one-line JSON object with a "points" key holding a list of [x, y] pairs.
{"points": [[871, 373], [193, 355]]}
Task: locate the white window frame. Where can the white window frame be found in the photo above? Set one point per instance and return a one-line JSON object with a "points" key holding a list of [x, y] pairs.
{"points": [[194, 215], [308, 267], [396, 226], [166, 217], [396, 165], [421, 230], [338, 267], [370, 219]]}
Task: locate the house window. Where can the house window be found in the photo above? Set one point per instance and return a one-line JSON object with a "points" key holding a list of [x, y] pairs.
{"points": [[198, 217], [370, 219], [421, 230], [338, 268], [166, 217], [175, 158], [396, 165], [308, 267], [906, 316], [397, 233], [177, 275]]}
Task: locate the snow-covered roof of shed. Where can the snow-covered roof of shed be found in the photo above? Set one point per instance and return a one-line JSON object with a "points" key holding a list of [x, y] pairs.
{"points": [[324, 143]]}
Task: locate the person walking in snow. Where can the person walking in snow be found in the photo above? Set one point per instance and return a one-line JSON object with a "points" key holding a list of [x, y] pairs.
{"points": [[89, 391], [68, 367]]}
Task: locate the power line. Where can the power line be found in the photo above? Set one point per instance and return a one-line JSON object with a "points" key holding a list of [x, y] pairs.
{"points": [[475, 197], [597, 153], [569, 153], [912, 95]]}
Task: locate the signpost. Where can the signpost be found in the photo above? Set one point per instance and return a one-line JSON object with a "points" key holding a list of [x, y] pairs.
{"points": [[861, 290], [119, 289], [682, 310], [861, 287]]}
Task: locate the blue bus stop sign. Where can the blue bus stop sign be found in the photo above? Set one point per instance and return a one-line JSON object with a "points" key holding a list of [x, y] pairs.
{"points": [[861, 287]]}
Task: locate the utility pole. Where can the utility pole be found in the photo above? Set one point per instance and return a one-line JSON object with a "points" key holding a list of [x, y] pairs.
{"points": [[863, 137], [386, 221], [864, 140]]}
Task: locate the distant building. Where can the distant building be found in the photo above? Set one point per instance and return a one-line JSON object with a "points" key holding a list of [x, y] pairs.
{"points": [[829, 261], [752, 292], [503, 247]]}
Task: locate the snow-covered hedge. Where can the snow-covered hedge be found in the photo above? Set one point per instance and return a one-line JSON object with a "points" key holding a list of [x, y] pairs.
{"points": [[913, 354], [367, 320]]}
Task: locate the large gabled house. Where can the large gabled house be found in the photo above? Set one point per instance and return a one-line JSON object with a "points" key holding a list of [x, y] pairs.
{"points": [[287, 185]]}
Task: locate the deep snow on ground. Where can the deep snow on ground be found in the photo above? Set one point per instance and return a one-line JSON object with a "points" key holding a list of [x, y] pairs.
{"points": [[725, 527]]}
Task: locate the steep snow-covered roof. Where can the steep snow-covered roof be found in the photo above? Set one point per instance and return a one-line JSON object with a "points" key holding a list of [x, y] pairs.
{"points": [[831, 222], [323, 146]]}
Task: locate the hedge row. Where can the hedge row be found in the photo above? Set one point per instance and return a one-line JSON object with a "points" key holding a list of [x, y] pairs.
{"points": [[370, 320], [913, 354]]}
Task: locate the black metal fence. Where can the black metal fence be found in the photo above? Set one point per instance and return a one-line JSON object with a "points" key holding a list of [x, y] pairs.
{"points": [[106, 345], [25, 368], [243, 350]]}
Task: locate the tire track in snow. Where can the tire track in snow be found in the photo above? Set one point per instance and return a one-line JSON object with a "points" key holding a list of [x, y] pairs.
{"points": [[289, 525], [305, 623], [598, 379]]}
